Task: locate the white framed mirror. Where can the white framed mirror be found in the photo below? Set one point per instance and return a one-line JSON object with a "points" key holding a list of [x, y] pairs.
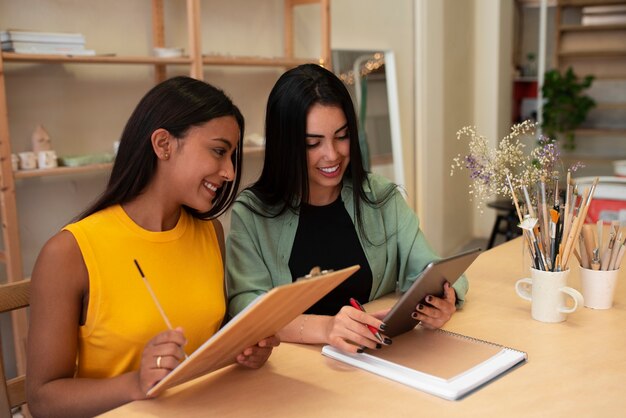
{"points": [[374, 91]]}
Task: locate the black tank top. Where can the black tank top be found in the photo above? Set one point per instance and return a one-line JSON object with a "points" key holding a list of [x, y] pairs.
{"points": [[326, 237]]}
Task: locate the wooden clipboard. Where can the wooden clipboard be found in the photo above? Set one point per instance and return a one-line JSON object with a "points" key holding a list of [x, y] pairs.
{"points": [[264, 317]]}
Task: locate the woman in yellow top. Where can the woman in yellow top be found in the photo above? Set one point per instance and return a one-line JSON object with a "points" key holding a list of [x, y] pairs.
{"points": [[97, 337]]}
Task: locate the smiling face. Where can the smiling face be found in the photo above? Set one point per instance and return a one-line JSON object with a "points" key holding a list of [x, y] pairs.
{"points": [[328, 152], [201, 162]]}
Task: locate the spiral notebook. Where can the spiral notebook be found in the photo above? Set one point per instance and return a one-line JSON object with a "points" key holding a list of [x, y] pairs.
{"points": [[442, 363]]}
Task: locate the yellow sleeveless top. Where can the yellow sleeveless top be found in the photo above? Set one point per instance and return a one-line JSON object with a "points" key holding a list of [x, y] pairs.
{"points": [[184, 268]]}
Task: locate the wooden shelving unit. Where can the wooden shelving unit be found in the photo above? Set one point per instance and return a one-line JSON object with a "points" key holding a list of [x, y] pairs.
{"points": [[591, 38], [195, 60], [590, 48], [60, 171], [619, 133], [97, 59]]}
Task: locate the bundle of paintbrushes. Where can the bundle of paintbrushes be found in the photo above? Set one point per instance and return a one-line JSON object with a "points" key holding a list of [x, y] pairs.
{"points": [[552, 229], [598, 255]]}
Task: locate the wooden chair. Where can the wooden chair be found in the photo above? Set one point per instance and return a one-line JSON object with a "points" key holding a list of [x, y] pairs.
{"points": [[12, 391]]}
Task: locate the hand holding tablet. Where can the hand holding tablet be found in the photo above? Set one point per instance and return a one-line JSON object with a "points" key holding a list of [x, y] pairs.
{"points": [[430, 282]]}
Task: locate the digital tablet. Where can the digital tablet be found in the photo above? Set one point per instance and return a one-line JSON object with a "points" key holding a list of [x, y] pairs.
{"points": [[429, 282]]}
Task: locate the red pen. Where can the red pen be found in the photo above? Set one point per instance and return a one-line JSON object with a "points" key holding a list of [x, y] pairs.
{"points": [[355, 304]]}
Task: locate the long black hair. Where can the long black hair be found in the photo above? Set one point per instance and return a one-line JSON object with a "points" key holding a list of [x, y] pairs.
{"points": [[175, 105], [284, 183]]}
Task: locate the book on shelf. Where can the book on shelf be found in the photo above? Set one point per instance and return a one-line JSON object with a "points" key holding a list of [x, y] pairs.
{"points": [[37, 36], [46, 48], [42, 45], [79, 52], [55, 43], [439, 362]]}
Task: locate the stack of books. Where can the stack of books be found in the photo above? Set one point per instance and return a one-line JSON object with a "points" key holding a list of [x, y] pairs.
{"points": [[32, 42]]}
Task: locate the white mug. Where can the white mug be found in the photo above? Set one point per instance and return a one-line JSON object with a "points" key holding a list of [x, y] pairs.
{"points": [[548, 295], [28, 160], [598, 287], [47, 159]]}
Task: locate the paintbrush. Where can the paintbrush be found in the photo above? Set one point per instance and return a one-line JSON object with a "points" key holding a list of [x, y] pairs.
{"points": [[519, 215], [545, 220], [528, 224], [582, 213], [554, 223]]}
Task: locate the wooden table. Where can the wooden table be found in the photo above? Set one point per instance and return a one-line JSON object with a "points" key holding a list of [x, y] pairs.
{"points": [[576, 368]]}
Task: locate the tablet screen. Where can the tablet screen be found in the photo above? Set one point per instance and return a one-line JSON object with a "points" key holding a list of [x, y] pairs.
{"points": [[429, 282]]}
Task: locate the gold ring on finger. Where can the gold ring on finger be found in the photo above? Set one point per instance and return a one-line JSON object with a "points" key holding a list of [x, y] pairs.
{"points": [[159, 362]]}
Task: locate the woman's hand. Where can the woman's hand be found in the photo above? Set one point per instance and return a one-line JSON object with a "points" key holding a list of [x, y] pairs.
{"points": [[256, 356], [159, 357], [440, 311], [348, 330]]}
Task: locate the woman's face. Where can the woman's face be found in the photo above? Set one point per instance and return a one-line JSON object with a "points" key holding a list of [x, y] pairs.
{"points": [[202, 162], [328, 152]]}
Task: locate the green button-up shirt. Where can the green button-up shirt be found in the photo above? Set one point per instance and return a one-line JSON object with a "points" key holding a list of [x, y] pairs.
{"points": [[258, 248]]}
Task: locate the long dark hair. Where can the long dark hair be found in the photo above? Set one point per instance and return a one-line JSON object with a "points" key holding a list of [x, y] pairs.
{"points": [[175, 105], [284, 183]]}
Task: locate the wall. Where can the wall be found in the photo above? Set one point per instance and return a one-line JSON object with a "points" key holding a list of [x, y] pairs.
{"points": [[463, 70], [492, 80], [366, 24]]}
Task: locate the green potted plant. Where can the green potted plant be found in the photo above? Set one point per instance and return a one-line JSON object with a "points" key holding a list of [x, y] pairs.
{"points": [[566, 105]]}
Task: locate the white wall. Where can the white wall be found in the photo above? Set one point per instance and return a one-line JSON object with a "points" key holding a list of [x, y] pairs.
{"points": [[385, 25], [462, 77], [492, 82]]}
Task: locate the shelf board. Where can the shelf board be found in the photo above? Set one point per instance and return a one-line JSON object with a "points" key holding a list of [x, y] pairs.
{"points": [[525, 79], [95, 59], [253, 150], [593, 54], [588, 158], [384, 159], [610, 106], [257, 61], [600, 132], [115, 59], [577, 3], [59, 171], [591, 28]]}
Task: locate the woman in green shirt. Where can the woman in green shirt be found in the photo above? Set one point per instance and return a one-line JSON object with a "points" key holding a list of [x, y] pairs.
{"points": [[314, 205]]}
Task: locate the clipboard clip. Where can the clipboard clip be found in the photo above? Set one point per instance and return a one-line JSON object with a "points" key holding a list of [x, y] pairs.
{"points": [[315, 272]]}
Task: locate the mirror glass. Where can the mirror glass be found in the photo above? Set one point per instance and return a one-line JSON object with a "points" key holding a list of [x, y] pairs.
{"points": [[370, 77]]}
